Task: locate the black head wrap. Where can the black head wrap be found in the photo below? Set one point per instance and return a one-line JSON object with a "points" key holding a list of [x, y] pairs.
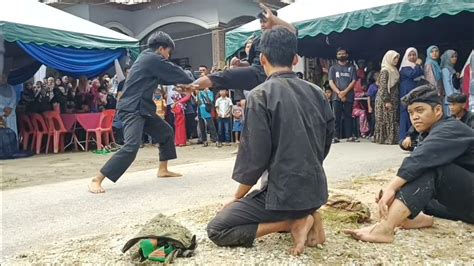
{"points": [[423, 94]]}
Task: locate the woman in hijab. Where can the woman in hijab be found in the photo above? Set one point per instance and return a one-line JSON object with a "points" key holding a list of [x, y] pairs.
{"points": [[8, 103], [433, 70], [387, 101], [450, 77], [467, 76], [410, 73]]}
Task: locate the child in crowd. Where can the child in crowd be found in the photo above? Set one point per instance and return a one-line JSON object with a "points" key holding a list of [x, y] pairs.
{"points": [[223, 109], [359, 109], [160, 103], [328, 92], [237, 114]]}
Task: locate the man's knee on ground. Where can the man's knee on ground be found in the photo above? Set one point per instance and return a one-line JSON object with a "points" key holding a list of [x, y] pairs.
{"points": [[214, 232]]}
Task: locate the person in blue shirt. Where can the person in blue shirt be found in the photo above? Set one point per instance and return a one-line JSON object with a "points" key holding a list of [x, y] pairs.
{"points": [[410, 73], [206, 103]]}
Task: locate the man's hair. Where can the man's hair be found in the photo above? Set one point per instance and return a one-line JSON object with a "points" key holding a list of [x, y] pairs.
{"points": [[204, 66], [457, 98], [342, 49], [160, 39], [279, 46], [261, 16]]}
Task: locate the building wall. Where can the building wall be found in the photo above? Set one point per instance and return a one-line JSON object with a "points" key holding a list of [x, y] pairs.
{"points": [[199, 18]]}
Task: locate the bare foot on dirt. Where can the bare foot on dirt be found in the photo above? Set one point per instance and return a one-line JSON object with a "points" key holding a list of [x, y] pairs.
{"points": [[165, 174], [421, 221], [377, 233], [95, 187], [316, 235], [299, 231]]}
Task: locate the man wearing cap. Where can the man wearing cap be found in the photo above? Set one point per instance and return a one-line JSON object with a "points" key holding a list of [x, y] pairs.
{"points": [[244, 78], [437, 178], [457, 105], [137, 110]]}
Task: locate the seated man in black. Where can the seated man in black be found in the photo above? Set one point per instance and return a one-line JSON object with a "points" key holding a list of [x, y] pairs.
{"points": [[288, 130], [437, 178]]}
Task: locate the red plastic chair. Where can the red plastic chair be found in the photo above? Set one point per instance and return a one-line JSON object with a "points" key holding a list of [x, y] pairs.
{"points": [[56, 131], [27, 132], [41, 130], [104, 128]]}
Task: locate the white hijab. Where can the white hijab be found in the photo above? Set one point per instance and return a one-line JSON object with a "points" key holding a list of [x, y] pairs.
{"points": [[405, 61]]}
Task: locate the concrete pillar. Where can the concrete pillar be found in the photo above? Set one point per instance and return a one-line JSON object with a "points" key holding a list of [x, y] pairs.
{"points": [[218, 48]]}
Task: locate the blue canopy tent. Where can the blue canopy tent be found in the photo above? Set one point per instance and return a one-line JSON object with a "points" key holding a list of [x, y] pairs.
{"points": [[37, 34]]}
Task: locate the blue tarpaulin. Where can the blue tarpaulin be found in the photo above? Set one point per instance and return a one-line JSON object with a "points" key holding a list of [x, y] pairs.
{"points": [[73, 61]]}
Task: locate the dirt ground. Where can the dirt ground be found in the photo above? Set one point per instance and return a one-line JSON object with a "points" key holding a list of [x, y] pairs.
{"points": [[447, 242], [50, 168]]}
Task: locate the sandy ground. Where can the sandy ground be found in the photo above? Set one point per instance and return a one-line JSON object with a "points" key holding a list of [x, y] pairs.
{"points": [[53, 168], [59, 222], [447, 242]]}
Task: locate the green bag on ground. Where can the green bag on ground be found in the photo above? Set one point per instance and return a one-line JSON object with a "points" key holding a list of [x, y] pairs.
{"points": [[167, 232]]}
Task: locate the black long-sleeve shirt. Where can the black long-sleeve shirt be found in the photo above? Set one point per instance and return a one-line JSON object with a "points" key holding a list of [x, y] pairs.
{"points": [[449, 141], [146, 73], [288, 130]]}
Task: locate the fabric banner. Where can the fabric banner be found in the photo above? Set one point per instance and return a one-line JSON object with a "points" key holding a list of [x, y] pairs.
{"points": [[72, 61]]}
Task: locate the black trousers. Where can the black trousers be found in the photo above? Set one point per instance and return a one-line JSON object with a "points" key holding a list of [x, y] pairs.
{"points": [[344, 120], [134, 126], [205, 126], [237, 224], [446, 192], [191, 126]]}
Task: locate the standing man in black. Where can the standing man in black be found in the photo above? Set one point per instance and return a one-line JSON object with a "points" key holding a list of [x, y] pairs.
{"points": [[342, 78], [137, 110]]}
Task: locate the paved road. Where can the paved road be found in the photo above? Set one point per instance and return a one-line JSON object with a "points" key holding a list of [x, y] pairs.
{"points": [[38, 215]]}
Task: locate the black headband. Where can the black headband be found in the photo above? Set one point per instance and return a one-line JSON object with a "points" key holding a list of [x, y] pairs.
{"points": [[422, 94]]}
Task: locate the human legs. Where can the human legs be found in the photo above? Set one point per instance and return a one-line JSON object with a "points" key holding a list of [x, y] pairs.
{"points": [[405, 122], [211, 129], [180, 129], [348, 119], [220, 129], [243, 221], [120, 161], [226, 122], [450, 185], [162, 133], [338, 115], [202, 130]]}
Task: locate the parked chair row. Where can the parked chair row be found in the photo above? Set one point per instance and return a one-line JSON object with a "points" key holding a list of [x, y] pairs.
{"points": [[35, 128]]}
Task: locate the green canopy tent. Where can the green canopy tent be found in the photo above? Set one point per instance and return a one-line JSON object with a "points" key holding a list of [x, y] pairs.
{"points": [[368, 28]]}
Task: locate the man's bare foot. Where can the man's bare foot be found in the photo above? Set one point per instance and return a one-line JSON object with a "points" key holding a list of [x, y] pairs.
{"points": [[316, 235], [299, 231], [377, 233], [165, 174], [95, 187], [421, 221]]}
